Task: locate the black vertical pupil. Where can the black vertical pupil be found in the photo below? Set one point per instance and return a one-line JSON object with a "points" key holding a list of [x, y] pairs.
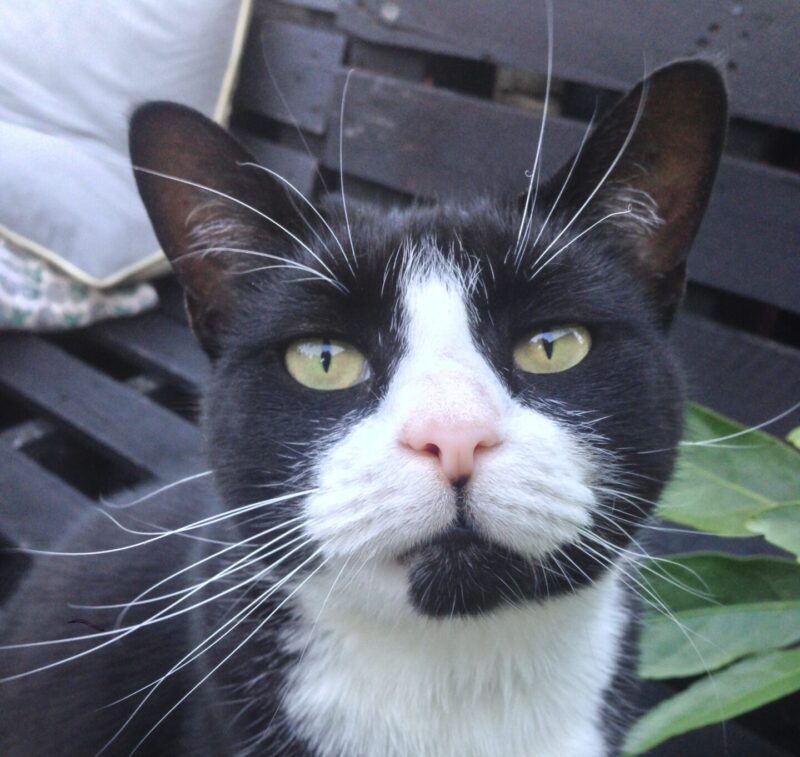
{"points": [[547, 343], [326, 356]]}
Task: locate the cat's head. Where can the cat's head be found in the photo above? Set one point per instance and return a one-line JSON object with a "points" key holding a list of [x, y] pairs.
{"points": [[476, 402]]}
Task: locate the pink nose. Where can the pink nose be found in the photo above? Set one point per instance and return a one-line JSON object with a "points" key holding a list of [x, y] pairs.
{"points": [[455, 444]]}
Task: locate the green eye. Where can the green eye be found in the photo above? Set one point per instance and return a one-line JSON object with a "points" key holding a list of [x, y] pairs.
{"points": [[553, 351], [326, 364]]}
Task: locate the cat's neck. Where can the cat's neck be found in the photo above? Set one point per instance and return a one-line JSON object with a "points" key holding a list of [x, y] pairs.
{"points": [[464, 686]]}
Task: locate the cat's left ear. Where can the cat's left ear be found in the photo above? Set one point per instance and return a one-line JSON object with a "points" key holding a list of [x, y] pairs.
{"points": [[655, 155], [213, 211]]}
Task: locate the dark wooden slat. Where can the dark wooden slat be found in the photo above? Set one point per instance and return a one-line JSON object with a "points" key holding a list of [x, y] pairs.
{"points": [[749, 243], [386, 24], [171, 301], [605, 43], [36, 507], [296, 167], [741, 375], [288, 73], [328, 6], [432, 142], [106, 413], [390, 61], [157, 342]]}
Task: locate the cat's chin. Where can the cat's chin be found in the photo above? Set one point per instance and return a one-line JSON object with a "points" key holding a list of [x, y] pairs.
{"points": [[460, 573]]}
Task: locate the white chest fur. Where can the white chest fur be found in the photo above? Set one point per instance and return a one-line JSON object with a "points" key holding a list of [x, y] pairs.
{"points": [[526, 681]]}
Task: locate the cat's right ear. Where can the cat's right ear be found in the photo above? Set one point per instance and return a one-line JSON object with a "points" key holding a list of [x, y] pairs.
{"points": [[647, 170], [203, 204]]}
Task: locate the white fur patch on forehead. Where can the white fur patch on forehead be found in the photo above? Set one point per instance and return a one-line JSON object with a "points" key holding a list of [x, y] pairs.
{"points": [[436, 319], [434, 305], [442, 372]]}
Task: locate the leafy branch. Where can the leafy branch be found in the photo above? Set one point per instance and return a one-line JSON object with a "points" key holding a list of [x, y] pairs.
{"points": [[732, 621]]}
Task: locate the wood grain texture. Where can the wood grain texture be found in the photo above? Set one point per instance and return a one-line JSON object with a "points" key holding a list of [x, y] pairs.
{"points": [[297, 167], [287, 73], [36, 506], [327, 6], [107, 414], [744, 376], [749, 242], [608, 44], [431, 142], [157, 343]]}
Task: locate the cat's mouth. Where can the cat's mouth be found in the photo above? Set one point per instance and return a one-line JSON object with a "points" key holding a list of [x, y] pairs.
{"points": [[459, 572], [457, 536]]}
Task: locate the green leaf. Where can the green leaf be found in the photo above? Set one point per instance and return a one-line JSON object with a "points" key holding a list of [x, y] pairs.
{"points": [[793, 437], [719, 487], [714, 609], [743, 686], [724, 578], [781, 526]]}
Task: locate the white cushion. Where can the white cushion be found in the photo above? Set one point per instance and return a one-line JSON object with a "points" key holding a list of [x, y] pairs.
{"points": [[71, 73]]}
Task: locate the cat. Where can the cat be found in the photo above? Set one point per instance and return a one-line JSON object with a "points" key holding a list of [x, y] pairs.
{"points": [[424, 427]]}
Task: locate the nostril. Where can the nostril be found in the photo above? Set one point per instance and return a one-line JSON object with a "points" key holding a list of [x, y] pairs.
{"points": [[455, 446], [432, 449]]}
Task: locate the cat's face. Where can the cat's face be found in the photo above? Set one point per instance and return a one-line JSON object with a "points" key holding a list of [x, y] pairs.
{"points": [[477, 402]]}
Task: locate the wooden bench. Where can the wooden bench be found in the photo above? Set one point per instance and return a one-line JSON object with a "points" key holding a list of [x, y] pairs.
{"points": [[445, 99]]}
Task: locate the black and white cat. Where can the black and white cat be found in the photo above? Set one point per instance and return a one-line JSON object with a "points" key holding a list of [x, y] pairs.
{"points": [[425, 429]]}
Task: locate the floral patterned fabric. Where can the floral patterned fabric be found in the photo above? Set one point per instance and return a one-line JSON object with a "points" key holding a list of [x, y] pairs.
{"points": [[36, 296]]}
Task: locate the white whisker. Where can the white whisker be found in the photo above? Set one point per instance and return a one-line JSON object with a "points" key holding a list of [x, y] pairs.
{"points": [[727, 437], [164, 614], [295, 122], [310, 205], [575, 239], [566, 180], [537, 157], [242, 204], [161, 489], [774, 419], [341, 163], [140, 598], [628, 137], [188, 658], [169, 532]]}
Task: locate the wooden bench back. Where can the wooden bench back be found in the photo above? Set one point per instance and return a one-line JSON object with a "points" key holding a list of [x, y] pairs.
{"points": [[405, 133]]}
